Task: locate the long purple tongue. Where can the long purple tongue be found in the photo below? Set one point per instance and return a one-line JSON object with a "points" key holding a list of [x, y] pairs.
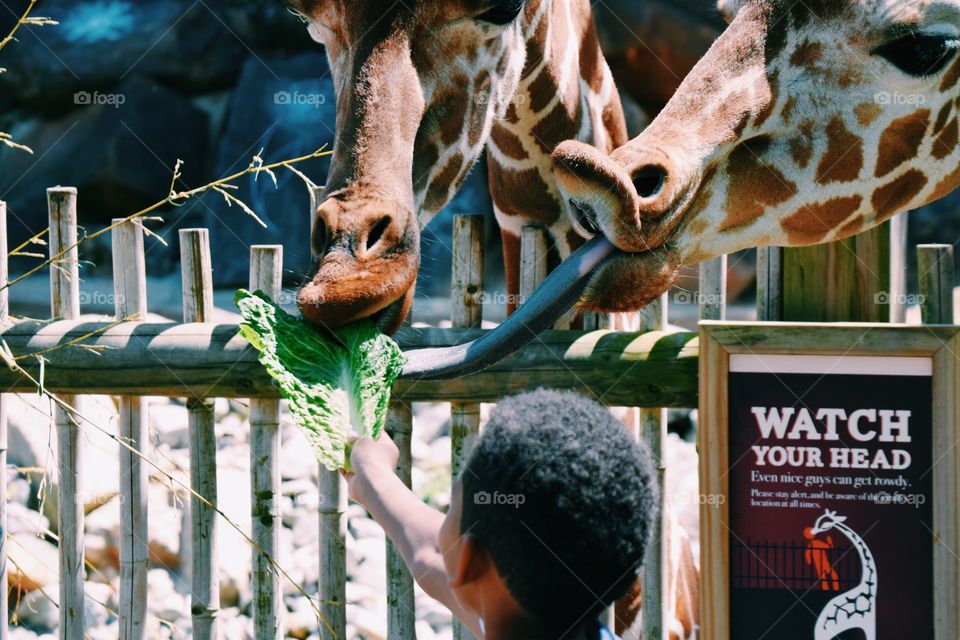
{"points": [[558, 293]]}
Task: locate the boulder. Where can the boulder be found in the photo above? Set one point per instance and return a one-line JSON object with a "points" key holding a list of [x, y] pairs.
{"points": [[651, 46], [32, 443], [287, 107], [118, 149], [99, 43], [34, 563]]}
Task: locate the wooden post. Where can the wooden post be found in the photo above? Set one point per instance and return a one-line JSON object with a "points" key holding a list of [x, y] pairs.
{"points": [[401, 612], [533, 260], [466, 311], [4, 318], [130, 302], [205, 582], [769, 284], [65, 304], [653, 432], [333, 554], [935, 264], [845, 281], [713, 289], [898, 268], [266, 269], [332, 589]]}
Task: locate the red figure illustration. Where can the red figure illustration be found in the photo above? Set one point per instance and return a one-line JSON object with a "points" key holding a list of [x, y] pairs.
{"points": [[816, 555]]}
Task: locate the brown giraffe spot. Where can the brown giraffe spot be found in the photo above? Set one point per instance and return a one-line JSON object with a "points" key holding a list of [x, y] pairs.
{"points": [[754, 185], [478, 114], [788, 108], [901, 141], [512, 116], [542, 91], [867, 113], [523, 193], [843, 160], [698, 226], [807, 55], [591, 58], [773, 81], [508, 143], [953, 75], [777, 33], [946, 142], [439, 189], [943, 117], [946, 186], [555, 127], [894, 197], [851, 228], [801, 147], [424, 161], [811, 223]]}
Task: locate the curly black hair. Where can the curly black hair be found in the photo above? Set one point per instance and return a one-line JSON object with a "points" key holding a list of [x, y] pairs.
{"points": [[564, 501]]}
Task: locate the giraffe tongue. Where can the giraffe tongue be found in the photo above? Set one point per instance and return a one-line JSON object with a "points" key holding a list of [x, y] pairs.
{"points": [[550, 301]]}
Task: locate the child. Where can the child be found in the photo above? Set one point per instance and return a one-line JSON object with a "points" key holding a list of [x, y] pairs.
{"points": [[547, 526]]}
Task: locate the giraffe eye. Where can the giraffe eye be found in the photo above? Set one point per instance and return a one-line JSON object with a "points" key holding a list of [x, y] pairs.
{"points": [[503, 13], [920, 55]]}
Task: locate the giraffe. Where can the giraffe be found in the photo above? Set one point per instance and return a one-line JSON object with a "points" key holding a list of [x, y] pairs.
{"points": [[857, 607], [804, 123], [422, 88]]}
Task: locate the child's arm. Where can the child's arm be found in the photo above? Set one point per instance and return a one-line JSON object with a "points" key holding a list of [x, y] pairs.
{"points": [[408, 522]]}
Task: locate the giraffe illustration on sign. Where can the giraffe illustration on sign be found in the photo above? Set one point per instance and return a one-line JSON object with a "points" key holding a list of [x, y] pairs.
{"points": [[857, 607]]}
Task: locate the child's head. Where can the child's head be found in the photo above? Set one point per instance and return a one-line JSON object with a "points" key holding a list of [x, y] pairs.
{"points": [[554, 507]]}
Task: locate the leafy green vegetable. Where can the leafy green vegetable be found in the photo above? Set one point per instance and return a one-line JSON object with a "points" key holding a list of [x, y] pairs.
{"points": [[333, 392]]}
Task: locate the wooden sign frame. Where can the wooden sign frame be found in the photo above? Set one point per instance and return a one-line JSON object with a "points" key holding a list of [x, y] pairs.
{"points": [[720, 340]]}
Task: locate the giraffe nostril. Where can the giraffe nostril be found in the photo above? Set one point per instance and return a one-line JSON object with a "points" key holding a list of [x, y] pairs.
{"points": [[376, 233], [649, 180]]}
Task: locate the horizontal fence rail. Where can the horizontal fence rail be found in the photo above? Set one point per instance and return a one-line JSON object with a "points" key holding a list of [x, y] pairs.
{"points": [[656, 369]]}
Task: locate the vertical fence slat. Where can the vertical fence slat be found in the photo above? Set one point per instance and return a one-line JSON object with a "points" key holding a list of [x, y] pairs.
{"points": [[198, 307], [466, 312], [4, 317], [533, 260], [769, 284], [653, 432], [935, 265], [65, 304], [401, 611], [899, 248], [333, 523], [333, 554], [713, 289], [266, 269], [130, 302]]}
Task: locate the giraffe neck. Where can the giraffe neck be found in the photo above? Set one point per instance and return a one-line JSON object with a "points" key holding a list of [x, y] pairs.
{"points": [[566, 92], [868, 576]]}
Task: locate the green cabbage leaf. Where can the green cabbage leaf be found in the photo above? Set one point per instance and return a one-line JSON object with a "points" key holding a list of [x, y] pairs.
{"points": [[333, 393]]}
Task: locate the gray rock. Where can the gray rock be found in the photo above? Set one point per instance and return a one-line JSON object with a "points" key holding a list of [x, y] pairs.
{"points": [[287, 107], [99, 43], [119, 155]]}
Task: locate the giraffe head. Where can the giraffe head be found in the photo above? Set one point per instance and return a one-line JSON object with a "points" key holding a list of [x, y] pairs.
{"points": [[418, 87], [805, 122], [826, 521]]}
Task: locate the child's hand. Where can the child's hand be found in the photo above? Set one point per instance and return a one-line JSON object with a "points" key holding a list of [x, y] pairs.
{"points": [[368, 459]]}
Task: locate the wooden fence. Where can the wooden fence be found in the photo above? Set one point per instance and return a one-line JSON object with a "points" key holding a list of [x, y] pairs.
{"points": [[198, 360]]}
